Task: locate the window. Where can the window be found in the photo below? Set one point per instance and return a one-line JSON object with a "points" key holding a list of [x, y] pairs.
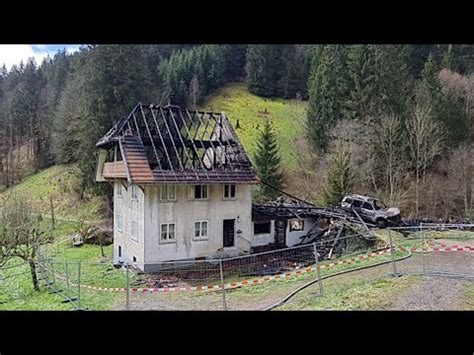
{"points": [[200, 192], [367, 206], [262, 227], [229, 192], [134, 192], [167, 234], [200, 230], [168, 193], [119, 190], [134, 259], [296, 225], [357, 203], [119, 251], [134, 231], [119, 222]]}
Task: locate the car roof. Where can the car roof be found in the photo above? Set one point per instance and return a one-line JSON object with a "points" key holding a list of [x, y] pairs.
{"points": [[361, 197]]}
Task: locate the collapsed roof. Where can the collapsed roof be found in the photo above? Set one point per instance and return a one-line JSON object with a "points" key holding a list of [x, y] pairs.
{"points": [[170, 144]]}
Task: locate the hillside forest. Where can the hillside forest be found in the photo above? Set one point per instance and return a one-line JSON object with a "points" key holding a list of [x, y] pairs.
{"points": [[392, 121]]}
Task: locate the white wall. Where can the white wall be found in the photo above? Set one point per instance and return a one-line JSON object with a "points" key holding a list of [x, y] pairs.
{"points": [[264, 239], [184, 212], [128, 209], [293, 238]]}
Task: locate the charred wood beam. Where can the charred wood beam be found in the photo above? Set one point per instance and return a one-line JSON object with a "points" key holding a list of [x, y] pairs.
{"points": [[188, 143], [162, 142], [195, 150], [182, 142], [172, 140], [149, 134]]}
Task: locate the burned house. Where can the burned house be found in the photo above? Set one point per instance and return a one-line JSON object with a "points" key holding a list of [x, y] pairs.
{"points": [[182, 185]]}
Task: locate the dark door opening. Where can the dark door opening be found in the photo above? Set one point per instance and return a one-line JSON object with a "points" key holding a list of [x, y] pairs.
{"points": [[280, 234], [119, 251], [229, 232]]}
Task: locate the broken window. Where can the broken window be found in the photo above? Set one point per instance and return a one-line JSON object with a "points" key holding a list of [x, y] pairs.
{"points": [[229, 191], [200, 230], [296, 225], [168, 232], [262, 227], [168, 193], [134, 231], [200, 192], [367, 206], [357, 203]]}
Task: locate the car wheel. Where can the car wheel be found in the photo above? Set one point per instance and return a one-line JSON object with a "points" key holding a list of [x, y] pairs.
{"points": [[381, 223]]}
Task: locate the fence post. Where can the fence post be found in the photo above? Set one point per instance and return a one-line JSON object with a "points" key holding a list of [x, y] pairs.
{"points": [[392, 253], [224, 301], [127, 296], [422, 248], [67, 278], [318, 269], [79, 284]]}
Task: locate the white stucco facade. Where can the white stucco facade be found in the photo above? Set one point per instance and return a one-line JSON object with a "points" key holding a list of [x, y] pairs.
{"points": [[150, 213]]}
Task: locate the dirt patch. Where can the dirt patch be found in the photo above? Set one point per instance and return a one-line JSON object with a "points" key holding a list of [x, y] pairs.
{"points": [[432, 293]]}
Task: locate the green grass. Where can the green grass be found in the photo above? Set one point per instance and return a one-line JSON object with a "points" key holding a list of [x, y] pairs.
{"points": [[467, 299], [61, 183], [415, 240], [287, 117], [355, 295]]}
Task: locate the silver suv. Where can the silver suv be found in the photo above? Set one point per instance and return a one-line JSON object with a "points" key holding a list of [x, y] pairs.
{"points": [[372, 210]]}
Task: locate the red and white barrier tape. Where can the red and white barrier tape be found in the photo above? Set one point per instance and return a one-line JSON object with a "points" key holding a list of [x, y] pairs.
{"points": [[297, 272]]}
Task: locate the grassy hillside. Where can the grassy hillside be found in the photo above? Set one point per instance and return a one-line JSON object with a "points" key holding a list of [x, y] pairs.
{"points": [[61, 183], [251, 111]]}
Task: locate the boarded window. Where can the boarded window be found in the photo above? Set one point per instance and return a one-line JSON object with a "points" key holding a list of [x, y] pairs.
{"points": [[168, 232], [229, 191], [201, 230], [296, 225], [262, 227]]}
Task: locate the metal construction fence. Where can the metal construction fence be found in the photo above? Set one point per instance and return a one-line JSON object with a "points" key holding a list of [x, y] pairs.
{"points": [[258, 281]]}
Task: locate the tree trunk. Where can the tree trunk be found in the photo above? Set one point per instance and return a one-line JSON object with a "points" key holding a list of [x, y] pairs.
{"points": [[34, 276]]}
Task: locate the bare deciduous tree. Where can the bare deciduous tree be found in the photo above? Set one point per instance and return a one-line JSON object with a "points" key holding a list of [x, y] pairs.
{"points": [[387, 134], [21, 234], [424, 137]]}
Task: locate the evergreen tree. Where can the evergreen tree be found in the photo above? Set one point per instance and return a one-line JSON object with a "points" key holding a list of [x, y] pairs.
{"points": [[265, 69], [340, 176], [267, 161], [363, 96], [393, 80], [328, 90]]}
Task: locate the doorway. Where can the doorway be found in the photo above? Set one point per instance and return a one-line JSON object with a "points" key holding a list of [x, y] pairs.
{"points": [[229, 232], [280, 234]]}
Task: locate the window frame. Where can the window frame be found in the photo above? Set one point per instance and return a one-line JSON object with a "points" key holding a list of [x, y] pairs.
{"points": [[201, 237], [260, 223], [118, 217], [296, 230], [229, 198], [168, 240], [134, 189], [167, 199], [193, 192], [135, 239]]}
